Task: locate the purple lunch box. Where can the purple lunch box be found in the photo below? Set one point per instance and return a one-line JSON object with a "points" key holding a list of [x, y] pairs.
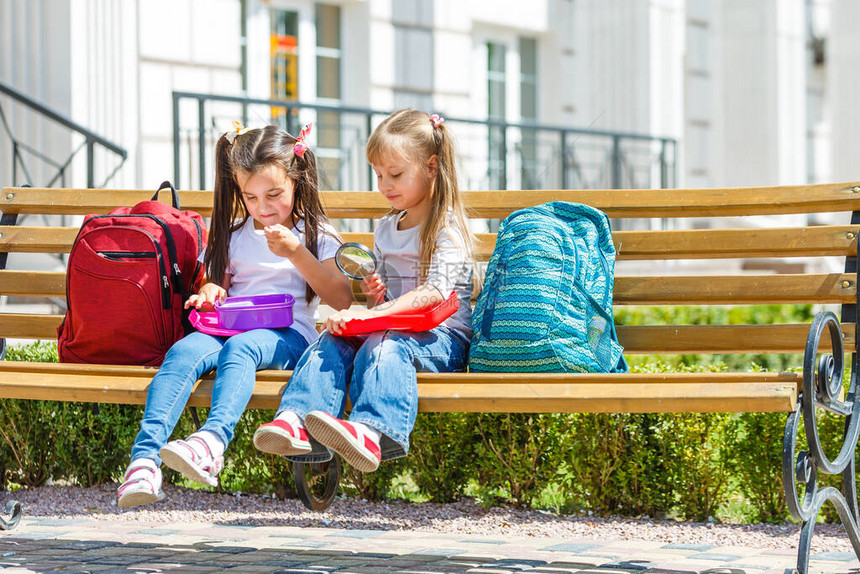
{"points": [[256, 312]]}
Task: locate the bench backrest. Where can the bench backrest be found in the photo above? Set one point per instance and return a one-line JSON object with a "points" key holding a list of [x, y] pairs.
{"points": [[714, 281]]}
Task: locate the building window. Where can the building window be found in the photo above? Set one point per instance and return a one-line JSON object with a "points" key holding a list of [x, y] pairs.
{"points": [[413, 54], [284, 42], [328, 125], [529, 169], [528, 79], [496, 107], [328, 51], [522, 85]]}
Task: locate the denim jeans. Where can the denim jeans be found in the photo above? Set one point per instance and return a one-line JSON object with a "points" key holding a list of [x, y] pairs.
{"points": [[380, 370], [236, 359]]}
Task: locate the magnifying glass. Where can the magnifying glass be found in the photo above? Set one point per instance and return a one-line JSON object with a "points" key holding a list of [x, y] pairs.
{"points": [[356, 261]]}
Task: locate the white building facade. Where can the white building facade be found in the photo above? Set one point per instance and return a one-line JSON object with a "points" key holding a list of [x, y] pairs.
{"points": [[754, 93]]}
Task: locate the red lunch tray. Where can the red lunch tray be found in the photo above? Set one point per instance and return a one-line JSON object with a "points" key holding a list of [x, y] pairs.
{"points": [[423, 320]]}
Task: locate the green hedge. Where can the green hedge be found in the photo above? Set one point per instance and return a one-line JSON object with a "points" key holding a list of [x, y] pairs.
{"points": [[692, 466]]}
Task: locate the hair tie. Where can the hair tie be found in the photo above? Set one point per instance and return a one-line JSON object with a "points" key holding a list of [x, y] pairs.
{"points": [[300, 147], [436, 120], [238, 129]]}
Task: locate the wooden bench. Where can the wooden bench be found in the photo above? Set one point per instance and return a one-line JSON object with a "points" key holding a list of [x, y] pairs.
{"points": [[722, 282]]}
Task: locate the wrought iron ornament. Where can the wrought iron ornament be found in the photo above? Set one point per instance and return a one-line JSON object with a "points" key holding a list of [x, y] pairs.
{"points": [[15, 511], [822, 386]]}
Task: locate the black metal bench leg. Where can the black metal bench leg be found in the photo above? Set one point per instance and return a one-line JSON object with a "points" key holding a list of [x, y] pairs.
{"points": [[316, 482], [822, 391], [13, 507], [9, 219]]}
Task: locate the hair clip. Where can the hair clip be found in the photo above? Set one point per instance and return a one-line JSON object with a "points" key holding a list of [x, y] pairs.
{"points": [[436, 120], [300, 147], [238, 129]]}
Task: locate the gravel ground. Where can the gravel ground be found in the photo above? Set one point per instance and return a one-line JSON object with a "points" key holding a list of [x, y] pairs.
{"points": [[466, 517]]}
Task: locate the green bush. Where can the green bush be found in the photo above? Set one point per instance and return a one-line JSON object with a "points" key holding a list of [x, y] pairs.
{"points": [[95, 444], [687, 465], [28, 429], [77, 441], [699, 463], [442, 454], [29, 433], [38, 352], [648, 464], [617, 464], [754, 448], [374, 486], [518, 454]]}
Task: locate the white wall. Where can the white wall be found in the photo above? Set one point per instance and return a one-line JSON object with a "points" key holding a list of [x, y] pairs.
{"points": [[104, 89], [609, 65], [764, 87], [843, 63], [196, 49], [703, 104], [35, 59]]}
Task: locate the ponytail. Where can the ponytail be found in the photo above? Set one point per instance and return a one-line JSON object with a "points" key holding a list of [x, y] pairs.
{"points": [[306, 202], [227, 210]]}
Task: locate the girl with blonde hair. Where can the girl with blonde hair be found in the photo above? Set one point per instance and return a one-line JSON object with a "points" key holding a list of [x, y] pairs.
{"points": [[424, 249]]}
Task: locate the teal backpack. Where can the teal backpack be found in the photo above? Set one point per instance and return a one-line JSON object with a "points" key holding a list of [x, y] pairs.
{"points": [[546, 305]]}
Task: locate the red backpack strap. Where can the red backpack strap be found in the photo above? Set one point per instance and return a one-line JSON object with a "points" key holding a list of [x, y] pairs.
{"points": [[173, 193]]}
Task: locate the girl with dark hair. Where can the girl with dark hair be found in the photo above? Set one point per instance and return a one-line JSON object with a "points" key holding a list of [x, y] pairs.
{"points": [[268, 235]]}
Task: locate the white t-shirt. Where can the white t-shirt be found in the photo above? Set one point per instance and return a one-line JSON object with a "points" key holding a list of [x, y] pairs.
{"points": [[398, 253], [256, 270]]}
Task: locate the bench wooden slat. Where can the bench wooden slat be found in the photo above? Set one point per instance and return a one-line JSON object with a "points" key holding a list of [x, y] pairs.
{"points": [[492, 204], [53, 201], [678, 339], [739, 289], [29, 325], [26, 239], [33, 283], [633, 290], [724, 289], [626, 397], [825, 240], [451, 392], [51, 369], [829, 240], [636, 339]]}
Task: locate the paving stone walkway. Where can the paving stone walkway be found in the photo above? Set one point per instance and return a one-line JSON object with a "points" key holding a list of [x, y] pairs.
{"points": [[106, 546]]}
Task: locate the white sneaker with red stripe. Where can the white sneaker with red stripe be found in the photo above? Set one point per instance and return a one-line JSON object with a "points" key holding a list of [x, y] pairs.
{"points": [[193, 458], [280, 437], [141, 485], [348, 440]]}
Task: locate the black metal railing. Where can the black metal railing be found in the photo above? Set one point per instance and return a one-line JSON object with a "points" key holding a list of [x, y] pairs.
{"points": [[494, 154], [57, 170]]}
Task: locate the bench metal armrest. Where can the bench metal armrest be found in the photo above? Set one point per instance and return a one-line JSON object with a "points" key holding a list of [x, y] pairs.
{"points": [[822, 391]]}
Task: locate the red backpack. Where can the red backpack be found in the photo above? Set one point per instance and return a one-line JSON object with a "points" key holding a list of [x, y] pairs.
{"points": [[128, 276]]}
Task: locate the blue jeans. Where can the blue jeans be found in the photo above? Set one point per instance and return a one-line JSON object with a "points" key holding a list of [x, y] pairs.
{"points": [[380, 370], [236, 359]]}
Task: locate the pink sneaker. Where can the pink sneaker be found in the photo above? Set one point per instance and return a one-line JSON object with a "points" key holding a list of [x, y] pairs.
{"points": [[193, 459], [141, 485], [280, 437], [356, 448]]}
